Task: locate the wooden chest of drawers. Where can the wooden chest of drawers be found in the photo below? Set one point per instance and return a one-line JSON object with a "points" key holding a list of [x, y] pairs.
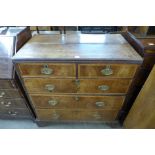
{"points": [[77, 77], [12, 101]]}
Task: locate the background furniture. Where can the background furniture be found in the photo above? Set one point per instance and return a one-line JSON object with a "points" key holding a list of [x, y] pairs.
{"points": [[146, 48], [12, 101], [77, 77], [142, 113]]}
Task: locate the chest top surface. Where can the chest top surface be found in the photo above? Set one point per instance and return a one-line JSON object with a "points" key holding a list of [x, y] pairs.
{"points": [[77, 47]]}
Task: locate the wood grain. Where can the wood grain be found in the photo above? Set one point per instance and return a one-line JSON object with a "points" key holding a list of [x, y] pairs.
{"points": [[69, 85], [60, 70], [8, 93], [12, 103], [78, 51], [119, 70], [7, 84], [142, 113], [76, 101], [115, 86], [38, 85], [76, 115]]}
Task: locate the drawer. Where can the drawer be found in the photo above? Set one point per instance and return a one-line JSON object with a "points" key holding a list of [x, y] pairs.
{"points": [[76, 115], [103, 86], [8, 93], [7, 84], [14, 112], [55, 70], [44, 85], [76, 101], [107, 70], [12, 103]]}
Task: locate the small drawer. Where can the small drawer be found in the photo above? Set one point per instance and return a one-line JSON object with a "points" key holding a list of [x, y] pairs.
{"points": [[14, 112], [8, 93], [44, 85], [12, 103], [55, 70], [104, 86], [7, 84], [107, 70], [76, 101], [76, 115]]}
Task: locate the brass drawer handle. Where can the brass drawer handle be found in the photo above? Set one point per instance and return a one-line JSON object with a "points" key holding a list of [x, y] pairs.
{"points": [[77, 98], [2, 94], [12, 113], [6, 104], [55, 116], [100, 104], [77, 82], [97, 116], [49, 87], [46, 70], [103, 87], [53, 102], [107, 71]]}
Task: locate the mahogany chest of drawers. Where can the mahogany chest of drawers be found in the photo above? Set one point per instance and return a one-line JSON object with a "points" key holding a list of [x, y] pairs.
{"points": [[12, 101], [77, 77]]}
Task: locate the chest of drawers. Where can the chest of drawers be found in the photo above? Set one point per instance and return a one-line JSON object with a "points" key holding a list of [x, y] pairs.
{"points": [[77, 77], [12, 101]]}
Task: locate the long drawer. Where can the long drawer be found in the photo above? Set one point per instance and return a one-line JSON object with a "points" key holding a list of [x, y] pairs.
{"points": [[76, 101], [9, 93], [98, 86], [55, 70], [12, 103], [76, 115], [106, 70]]}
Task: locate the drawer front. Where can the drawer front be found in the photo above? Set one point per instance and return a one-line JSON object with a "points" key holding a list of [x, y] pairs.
{"points": [[7, 84], [45, 85], [12, 103], [104, 86], [106, 70], [14, 112], [76, 101], [76, 115], [55, 70], [7, 93]]}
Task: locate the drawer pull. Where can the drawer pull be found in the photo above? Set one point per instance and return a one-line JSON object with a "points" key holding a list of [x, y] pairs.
{"points": [[97, 116], [6, 104], [77, 82], [53, 102], [55, 116], [103, 87], [107, 71], [12, 113], [77, 98], [2, 94], [45, 70], [100, 104], [50, 87]]}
